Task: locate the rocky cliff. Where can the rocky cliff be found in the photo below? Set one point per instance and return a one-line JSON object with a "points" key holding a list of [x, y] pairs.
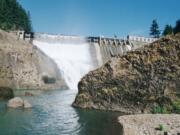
{"points": [[24, 66], [145, 80]]}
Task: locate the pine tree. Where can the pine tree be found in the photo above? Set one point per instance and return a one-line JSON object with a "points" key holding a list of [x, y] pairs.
{"points": [[168, 30], [177, 27], [154, 29], [29, 23], [13, 16]]}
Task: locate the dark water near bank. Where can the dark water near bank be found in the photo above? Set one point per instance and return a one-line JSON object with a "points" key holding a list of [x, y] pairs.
{"points": [[52, 114]]}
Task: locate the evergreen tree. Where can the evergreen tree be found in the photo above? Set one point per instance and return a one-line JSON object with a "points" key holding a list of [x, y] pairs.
{"points": [[168, 30], [154, 29], [29, 23], [177, 27], [13, 16]]}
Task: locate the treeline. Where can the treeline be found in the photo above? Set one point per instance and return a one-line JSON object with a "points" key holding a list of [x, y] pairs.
{"points": [[13, 16], [168, 30]]}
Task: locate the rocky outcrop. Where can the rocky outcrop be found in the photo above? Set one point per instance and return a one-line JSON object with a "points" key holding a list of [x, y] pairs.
{"points": [[145, 80], [15, 102], [18, 102], [149, 124], [6, 93], [23, 66], [26, 104]]}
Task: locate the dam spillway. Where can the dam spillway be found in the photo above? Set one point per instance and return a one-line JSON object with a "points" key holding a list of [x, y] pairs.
{"points": [[73, 58], [76, 56]]}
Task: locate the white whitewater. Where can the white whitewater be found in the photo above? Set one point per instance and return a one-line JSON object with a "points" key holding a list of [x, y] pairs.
{"points": [[74, 60]]}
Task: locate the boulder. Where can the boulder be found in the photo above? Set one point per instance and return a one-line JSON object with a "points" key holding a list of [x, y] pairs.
{"points": [[15, 102], [18, 102], [28, 94], [27, 104], [142, 81], [6, 93]]}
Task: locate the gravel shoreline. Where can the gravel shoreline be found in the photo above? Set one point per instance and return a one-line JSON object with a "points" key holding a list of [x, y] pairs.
{"points": [[150, 124]]}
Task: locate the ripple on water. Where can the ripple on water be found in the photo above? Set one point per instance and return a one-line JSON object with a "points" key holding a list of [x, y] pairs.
{"points": [[52, 114]]}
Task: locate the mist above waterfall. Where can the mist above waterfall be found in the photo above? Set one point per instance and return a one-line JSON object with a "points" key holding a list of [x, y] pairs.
{"points": [[73, 60]]}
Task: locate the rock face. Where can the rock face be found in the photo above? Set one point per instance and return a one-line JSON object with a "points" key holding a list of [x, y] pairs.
{"points": [[6, 93], [145, 80], [18, 102], [149, 124], [23, 66]]}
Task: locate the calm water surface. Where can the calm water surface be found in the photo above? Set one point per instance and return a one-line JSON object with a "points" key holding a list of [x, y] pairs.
{"points": [[52, 114]]}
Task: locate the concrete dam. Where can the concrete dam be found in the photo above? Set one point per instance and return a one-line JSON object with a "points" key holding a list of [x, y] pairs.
{"points": [[76, 56]]}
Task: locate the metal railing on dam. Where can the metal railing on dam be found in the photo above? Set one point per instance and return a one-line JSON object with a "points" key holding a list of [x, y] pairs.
{"points": [[130, 40], [102, 40], [116, 41], [101, 49]]}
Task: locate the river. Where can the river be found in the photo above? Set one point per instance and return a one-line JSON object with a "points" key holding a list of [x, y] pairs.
{"points": [[52, 114]]}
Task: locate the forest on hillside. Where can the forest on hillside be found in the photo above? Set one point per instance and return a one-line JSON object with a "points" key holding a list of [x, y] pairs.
{"points": [[13, 16]]}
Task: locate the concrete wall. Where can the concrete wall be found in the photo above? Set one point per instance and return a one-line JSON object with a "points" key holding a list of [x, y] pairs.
{"points": [[106, 48]]}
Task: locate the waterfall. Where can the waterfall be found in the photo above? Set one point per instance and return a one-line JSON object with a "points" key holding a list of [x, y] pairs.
{"points": [[73, 59]]}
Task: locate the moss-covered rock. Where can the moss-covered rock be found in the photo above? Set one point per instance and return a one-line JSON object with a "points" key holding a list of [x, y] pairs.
{"points": [[136, 82]]}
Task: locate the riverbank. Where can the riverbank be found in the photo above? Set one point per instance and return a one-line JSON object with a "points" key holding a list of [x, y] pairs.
{"points": [[150, 124]]}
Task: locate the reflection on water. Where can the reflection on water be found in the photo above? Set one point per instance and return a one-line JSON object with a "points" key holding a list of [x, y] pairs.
{"points": [[52, 114], [98, 123]]}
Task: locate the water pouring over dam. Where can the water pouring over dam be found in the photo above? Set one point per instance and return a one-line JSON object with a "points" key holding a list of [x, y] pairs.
{"points": [[71, 55]]}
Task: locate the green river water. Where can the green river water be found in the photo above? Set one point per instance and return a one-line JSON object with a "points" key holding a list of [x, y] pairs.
{"points": [[52, 114]]}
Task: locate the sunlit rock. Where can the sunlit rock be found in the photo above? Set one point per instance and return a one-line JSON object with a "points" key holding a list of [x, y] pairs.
{"points": [[18, 102], [142, 81], [15, 102], [27, 104]]}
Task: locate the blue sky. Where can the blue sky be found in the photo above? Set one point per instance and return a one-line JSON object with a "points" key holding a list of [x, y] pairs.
{"points": [[100, 17]]}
